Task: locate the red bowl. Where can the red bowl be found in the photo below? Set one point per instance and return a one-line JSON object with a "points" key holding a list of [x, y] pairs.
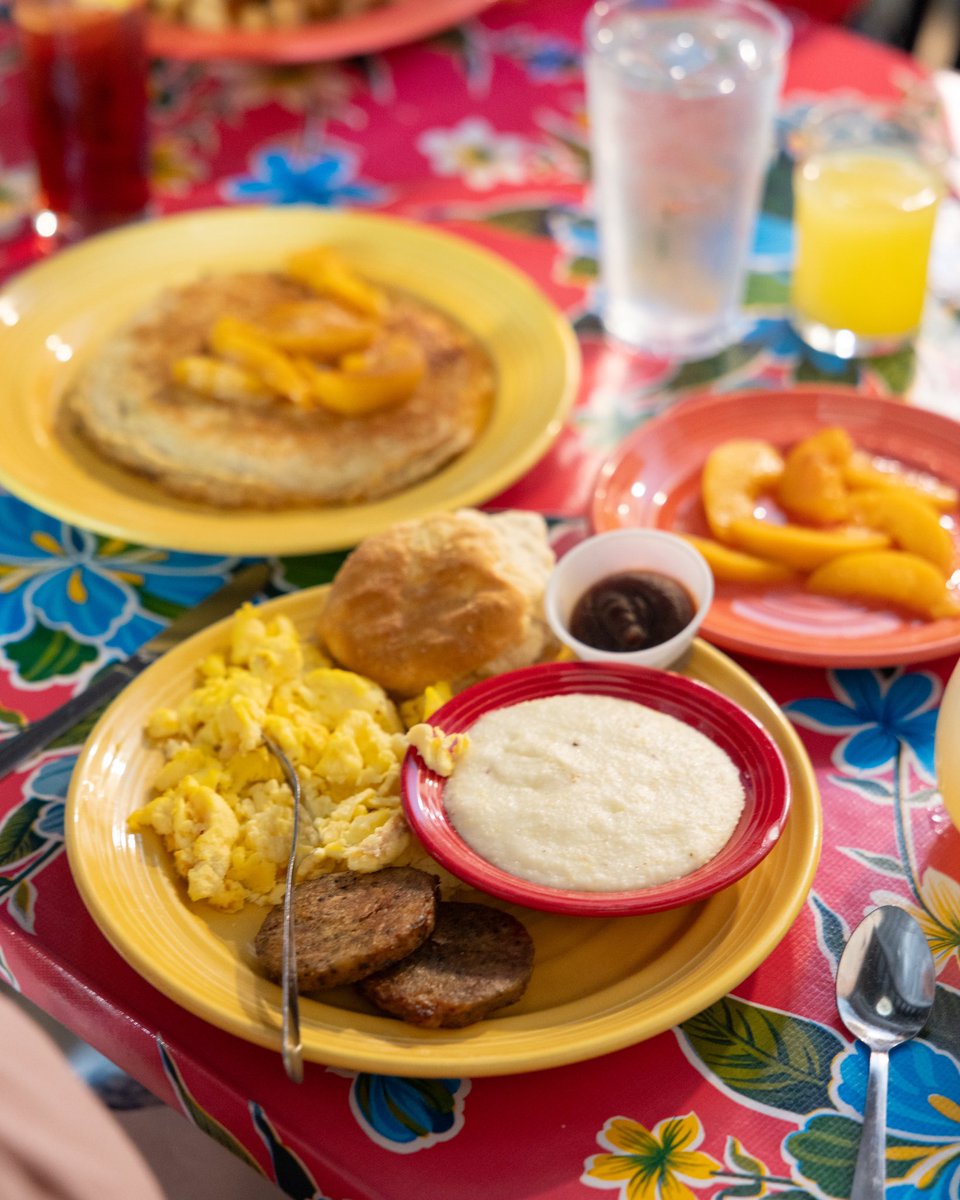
{"points": [[763, 774]]}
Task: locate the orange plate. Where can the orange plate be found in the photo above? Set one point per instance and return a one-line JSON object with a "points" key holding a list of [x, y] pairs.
{"points": [[653, 478], [398, 22]]}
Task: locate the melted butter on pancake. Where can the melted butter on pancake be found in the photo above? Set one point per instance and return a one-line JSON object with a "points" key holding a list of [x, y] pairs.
{"points": [[270, 455]]}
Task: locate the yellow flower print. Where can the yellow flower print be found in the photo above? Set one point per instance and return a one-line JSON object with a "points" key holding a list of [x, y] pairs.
{"points": [[651, 1165], [938, 913], [940, 896]]}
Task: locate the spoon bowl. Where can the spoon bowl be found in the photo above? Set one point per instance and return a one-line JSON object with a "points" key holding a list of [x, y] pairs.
{"points": [[886, 983]]}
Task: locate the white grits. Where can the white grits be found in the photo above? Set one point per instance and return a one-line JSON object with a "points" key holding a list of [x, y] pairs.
{"points": [[593, 793]]}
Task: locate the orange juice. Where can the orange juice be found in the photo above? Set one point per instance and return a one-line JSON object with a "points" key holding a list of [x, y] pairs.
{"points": [[864, 221]]}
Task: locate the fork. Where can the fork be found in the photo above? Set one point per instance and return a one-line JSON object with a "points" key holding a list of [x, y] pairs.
{"points": [[291, 1043]]}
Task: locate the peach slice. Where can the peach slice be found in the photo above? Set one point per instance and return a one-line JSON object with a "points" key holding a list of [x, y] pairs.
{"points": [[386, 374], [734, 475], [325, 273], [733, 566], [892, 576], [912, 523], [240, 342], [865, 471], [801, 548], [812, 487]]}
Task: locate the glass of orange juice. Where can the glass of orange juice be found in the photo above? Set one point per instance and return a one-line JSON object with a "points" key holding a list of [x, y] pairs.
{"points": [[867, 186]]}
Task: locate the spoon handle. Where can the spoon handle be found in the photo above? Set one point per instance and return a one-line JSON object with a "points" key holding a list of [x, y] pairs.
{"points": [[871, 1168]]}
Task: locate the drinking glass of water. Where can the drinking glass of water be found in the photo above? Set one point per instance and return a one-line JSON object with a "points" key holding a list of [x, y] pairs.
{"points": [[682, 98]]}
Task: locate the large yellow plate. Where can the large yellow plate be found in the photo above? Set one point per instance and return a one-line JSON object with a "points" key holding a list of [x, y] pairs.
{"points": [[55, 315], [598, 984]]}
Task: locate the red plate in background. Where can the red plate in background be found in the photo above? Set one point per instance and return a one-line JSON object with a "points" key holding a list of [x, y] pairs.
{"points": [[653, 479]]}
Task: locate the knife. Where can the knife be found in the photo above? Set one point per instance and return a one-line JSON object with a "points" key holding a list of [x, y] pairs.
{"points": [[40, 734]]}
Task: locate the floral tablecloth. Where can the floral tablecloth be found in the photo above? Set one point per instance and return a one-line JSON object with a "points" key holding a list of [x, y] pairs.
{"points": [[481, 129]]}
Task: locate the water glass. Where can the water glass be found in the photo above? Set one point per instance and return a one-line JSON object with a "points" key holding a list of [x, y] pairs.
{"points": [[682, 98], [85, 64], [867, 185]]}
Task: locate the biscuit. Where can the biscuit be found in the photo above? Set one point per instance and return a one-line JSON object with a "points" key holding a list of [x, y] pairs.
{"points": [[445, 598]]}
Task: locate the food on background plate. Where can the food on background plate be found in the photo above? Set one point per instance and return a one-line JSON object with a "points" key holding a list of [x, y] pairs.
{"points": [[306, 385], [592, 793], [259, 14], [477, 959], [735, 474], [851, 524], [454, 596]]}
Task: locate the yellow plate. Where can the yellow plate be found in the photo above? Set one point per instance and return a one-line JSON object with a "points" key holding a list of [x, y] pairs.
{"points": [[597, 985], [54, 316]]}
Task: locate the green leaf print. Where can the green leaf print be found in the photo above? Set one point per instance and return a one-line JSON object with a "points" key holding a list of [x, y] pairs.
{"points": [[739, 1158], [770, 1058], [529, 222], [809, 371], [12, 716], [765, 291], [778, 188], [695, 374], [311, 569], [24, 902], [878, 862], [47, 654], [825, 1151], [157, 606], [896, 370], [18, 840]]}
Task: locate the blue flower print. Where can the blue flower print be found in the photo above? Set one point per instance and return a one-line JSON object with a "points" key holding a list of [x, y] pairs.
{"points": [[547, 57], [574, 232], [408, 1114], [880, 714], [773, 241], [49, 786], [31, 836], [921, 1109], [286, 178], [96, 590]]}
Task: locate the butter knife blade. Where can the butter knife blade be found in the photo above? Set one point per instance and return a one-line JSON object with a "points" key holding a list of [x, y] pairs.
{"points": [[17, 749]]}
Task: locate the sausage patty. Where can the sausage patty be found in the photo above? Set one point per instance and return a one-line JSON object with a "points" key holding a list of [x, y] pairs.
{"points": [[477, 959], [348, 924]]}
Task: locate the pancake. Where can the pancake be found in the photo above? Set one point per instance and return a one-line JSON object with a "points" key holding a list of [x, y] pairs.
{"points": [[270, 454]]}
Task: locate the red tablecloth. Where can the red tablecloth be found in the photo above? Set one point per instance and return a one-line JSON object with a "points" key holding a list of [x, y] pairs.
{"points": [[482, 129]]}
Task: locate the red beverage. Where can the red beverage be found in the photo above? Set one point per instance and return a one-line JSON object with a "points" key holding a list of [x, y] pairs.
{"points": [[86, 74]]}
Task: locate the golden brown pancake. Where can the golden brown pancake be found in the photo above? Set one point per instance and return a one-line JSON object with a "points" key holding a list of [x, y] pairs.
{"points": [[273, 455]]}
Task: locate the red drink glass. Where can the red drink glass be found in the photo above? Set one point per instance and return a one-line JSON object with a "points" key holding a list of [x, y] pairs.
{"points": [[86, 74]]}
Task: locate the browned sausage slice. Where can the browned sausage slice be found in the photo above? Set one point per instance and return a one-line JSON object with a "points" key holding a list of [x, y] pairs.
{"points": [[477, 959], [349, 924]]}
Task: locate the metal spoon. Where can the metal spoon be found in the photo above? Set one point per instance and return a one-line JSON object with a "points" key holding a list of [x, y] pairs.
{"points": [[885, 988], [292, 1047]]}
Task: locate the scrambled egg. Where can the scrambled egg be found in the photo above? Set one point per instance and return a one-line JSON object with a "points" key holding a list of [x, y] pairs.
{"points": [[438, 750], [223, 809]]}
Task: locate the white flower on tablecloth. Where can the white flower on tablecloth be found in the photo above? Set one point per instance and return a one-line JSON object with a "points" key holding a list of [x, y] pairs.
{"points": [[474, 151]]}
